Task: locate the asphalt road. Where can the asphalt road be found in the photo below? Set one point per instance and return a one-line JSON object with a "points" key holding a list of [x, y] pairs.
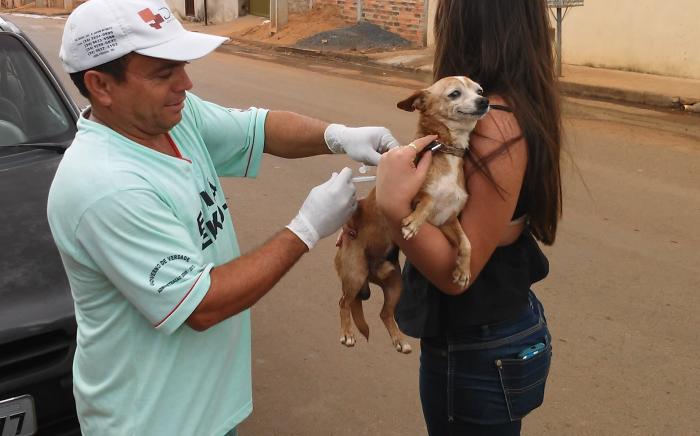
{"points": [[622, 297]]}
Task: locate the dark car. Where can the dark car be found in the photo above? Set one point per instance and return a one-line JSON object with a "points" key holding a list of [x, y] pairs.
{"points": [[37, 321]]}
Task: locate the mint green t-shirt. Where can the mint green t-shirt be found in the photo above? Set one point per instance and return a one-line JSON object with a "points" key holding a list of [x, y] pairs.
{"points": [[138, 232]]}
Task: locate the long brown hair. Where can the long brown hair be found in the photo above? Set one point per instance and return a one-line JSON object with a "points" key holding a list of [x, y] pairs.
{"points": [[506, 47]]}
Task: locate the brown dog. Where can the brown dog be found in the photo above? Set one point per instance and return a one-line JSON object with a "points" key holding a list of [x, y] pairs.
{"points": [[450, 109]]}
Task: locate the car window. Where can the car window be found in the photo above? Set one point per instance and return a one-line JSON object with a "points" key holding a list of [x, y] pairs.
{"points": [[31, 110]]}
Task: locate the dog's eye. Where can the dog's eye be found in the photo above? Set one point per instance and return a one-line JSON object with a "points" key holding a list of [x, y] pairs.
{"points": [[454, 94], [480, 91]]}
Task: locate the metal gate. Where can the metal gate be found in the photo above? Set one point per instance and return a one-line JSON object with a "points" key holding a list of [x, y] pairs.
{"points": [[559, 18], [260, 8]]}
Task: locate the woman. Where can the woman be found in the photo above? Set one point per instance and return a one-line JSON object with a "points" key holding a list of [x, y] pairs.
{"points": [[478, 373]]}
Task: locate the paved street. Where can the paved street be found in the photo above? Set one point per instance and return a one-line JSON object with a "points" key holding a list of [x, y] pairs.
{"points": [[622, 297]]}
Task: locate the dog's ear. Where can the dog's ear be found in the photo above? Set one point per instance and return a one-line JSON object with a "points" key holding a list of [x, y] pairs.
{"points": [[415, 101]]}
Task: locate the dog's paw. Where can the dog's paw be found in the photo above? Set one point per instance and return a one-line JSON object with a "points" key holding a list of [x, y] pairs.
{"points": [[409, 227], [348, 340], [401, 346], [461, 277]]}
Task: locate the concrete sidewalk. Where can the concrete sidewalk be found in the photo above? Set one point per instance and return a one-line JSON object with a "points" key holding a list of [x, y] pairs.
{"points": [[582, 81], [579, 81]]}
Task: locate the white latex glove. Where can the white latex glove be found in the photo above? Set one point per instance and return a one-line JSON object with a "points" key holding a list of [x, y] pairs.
{"points": [[363, 144], [326, 209]]}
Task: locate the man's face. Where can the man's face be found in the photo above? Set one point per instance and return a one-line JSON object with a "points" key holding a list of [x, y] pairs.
{"points": [[152, 97]]}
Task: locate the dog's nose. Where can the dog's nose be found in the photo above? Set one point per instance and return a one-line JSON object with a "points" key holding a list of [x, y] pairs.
{"points": [[482, 103]]}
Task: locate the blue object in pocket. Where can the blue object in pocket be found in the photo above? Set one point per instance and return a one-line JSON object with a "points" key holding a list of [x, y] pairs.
{"points": [[531, 351], [523, 379]]}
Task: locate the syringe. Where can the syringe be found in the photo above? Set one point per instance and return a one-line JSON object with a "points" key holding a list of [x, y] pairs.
{"points": [[363, 170], [364, 179]]}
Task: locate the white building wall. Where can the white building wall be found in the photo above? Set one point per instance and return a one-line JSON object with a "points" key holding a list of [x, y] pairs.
{"points": [[649, 36], [177, 6], [432, 8], [218, 11]]}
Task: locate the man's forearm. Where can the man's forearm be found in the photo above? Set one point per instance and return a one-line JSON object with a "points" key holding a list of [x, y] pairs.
{"points": [[290, 135], [237, 285]]}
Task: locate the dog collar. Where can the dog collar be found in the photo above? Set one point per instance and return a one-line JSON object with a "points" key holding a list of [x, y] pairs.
{"points": [[437, 146]]}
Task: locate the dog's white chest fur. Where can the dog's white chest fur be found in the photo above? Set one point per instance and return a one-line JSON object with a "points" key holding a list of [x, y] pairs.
{"points": [[449, 196]]}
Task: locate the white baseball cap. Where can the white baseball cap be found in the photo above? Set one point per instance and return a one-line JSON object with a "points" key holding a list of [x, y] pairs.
{"points": [[100, 31]]}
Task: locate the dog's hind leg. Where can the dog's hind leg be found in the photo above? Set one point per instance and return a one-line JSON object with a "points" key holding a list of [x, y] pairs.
{"points": [[388, 276], [453, 231], [352, 268], [359, 316]]}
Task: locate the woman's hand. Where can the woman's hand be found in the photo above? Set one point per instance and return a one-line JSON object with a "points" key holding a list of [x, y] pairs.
{"points": [[399, 180]]}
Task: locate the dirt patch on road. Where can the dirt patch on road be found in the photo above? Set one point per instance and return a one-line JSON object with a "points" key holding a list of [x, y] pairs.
{"points": [[300, 26], [362, 37]]}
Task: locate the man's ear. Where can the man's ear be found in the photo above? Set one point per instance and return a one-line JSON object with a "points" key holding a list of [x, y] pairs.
{"points": [[100, 87], [415, 101]]}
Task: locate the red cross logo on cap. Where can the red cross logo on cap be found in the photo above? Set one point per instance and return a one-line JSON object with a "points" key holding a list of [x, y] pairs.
{"points": [[152, 19]]}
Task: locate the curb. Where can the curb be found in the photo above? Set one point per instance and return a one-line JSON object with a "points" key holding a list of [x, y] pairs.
{"points": [[569, 89], [302, 51], [355, 58], [572, 89], [324, 54]]}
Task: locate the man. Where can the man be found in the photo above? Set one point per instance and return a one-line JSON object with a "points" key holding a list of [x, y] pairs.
{"points": [[138, 214]]}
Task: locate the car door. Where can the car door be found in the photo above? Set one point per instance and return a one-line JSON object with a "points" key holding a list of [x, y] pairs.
{"points": [[37, 324]]}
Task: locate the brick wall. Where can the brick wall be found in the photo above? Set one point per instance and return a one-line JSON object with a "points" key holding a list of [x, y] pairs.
{"points": [[403, 17], [53, 4]]}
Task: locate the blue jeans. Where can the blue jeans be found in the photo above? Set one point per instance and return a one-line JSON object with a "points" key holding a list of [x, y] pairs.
{"points": [[476, 384]]}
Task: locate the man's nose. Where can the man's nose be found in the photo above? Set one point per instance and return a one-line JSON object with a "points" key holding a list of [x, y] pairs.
{"points": [[183, 81]]}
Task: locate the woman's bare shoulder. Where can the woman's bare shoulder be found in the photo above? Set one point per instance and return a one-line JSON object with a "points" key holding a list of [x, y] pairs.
{"points": [[498, 125]]}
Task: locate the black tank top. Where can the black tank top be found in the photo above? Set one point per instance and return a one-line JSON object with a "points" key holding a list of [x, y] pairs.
{"points": [[499, 293]]}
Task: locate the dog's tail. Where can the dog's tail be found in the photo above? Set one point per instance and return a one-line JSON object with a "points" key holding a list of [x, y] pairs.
{"points": [[357, 314]]}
